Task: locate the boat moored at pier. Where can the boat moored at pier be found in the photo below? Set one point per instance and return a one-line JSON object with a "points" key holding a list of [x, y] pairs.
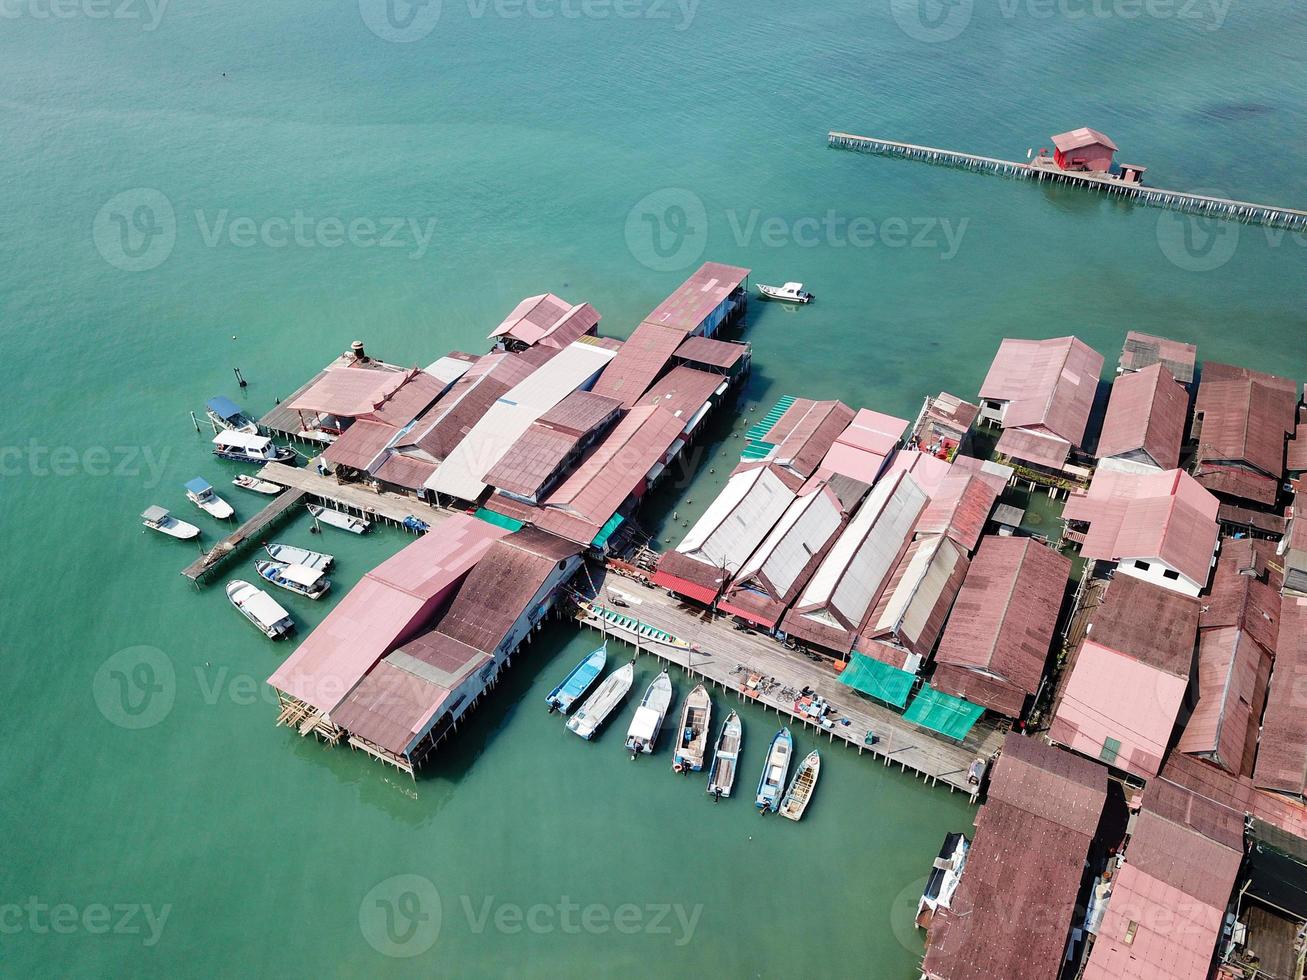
{"points": [[799, 795], [292, 555], [158, 519], [336, 518], [200, 492], [261, 609], [300, 579], [226, 414], [605, 699], [247, 482], [725, 762], [249, 447], [692, 738], [643, 733], [774, 771], [578, 680]]}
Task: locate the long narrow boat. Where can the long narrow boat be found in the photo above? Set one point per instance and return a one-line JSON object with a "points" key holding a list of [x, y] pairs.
{"points": [[265, 487], [336, 518], [774, 771], [292, 555], [643, 733], [692, 739], [578, 681], [799, 795], [721, 776], [260, 609], [605, 699], [629, 627], [300, 579]]}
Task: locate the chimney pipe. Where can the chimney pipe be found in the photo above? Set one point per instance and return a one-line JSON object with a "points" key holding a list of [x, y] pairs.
{"points": [[357, 349]]}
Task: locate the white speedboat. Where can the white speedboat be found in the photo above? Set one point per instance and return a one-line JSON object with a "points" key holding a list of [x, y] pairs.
{"points": [[226, 414], [200, 493], [300, 579], [260, 609], [791, 292], [599, 705], [247, 482], [248, 447], [774, 771], [643, 733], [804, 782], [336, 518], [158, 519], [725, 762], [299, 556]]}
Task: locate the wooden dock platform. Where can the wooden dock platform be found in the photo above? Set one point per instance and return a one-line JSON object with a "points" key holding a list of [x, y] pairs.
{"points": [[1244, 211], [264, 520], [935, 759], [353, 498]]}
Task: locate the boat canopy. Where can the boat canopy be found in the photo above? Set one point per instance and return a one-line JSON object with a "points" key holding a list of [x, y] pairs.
{"points": [[224, 408], [199, 486], [793, 287], [263, 607], [301, 575], [155, 514], [645, 723], [879, 680], [943, 713], [244, 440]]}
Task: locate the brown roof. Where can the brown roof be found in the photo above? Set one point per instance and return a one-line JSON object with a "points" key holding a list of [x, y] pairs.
{"points": [[1245, 591], [388, 707], [959, 508], [1246, 416], [531, 463], [644, 356], [695, 299], [580, 412], [1142, 350], [712, 352], [1147, 413], [1084, 136], [404, 471], [1296, 456], [1050, 385], [682, 391], [952, 411], [1282, 750], [1233, 672], [1155, 626], [1187, 841], [1051, 783], [360, 444], [806, 431], [1236, 482]]}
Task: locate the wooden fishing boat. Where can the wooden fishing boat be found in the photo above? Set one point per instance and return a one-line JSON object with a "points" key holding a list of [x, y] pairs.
{"points": [[606, 697], [726, 757], [292, 555], [799, 795], [260, 609], [643, 733], [578, 681], [692, 739], [337, 518], [300, 579], [629, 627], [774, 771], [158, 519], [247, 482]]}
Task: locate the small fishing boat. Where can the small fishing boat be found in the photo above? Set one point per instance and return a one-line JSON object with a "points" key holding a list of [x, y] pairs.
{"points": [[200, 493], [226, 414], [945, 876], [600, 704], [299, 556], [578, 681], [774, 771], [692, 739], [260, 609], [629, 627], [158, 519], [643, 733], [336, 518], [250, 447], [300, 579], [721, 776], [799, 795], [247, 482], [791, 292]]}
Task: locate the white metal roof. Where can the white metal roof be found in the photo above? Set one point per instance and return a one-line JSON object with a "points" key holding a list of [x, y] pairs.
{"points": [[736, 522], [245, 440], [461, 473], [448, 369], [301, 575], [806, 526]]}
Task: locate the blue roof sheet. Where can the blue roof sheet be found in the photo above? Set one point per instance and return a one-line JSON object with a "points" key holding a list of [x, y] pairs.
{"points": [[223, 407]]}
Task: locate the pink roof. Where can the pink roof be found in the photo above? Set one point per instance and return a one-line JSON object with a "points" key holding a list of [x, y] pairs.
{"points": [[1048, 384], [1282, 748], [547, 319], [929, 471], [1146, 413], [1166, 516], [1077, 138], [388, 606], [1034, 445], [696, 298], [349, 391], [360, 444], [644, 356], [861, 449], [959, 507], [1142, 350], [1233, 671]]}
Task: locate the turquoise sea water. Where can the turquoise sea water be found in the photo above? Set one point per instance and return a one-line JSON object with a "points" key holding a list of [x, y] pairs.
{"points": [[600, 157]]}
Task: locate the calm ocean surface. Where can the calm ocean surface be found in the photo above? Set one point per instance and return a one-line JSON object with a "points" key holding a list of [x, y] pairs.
{"points": [[210, 185]]}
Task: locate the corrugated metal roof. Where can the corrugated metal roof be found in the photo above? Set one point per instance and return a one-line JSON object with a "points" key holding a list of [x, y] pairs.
{"points": [[1084, 136], [915, 604], [736, 522], [711, 352], [350, 391], [1245, 417], [1233, 672], [805, 433], [1297, 453], [1146, 412], [1148, 623], [390, 706], [403, 470], [683, 391], [532, 461], [547, 319], [959, 507], [1282, 749], [1142, 350], [696, 298], [580, 413], [1049, 384], [644, 356], [360, 444]]}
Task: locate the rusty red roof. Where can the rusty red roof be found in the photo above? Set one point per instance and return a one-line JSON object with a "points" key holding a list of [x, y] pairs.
{"points": [[547, 319], [695, 299], [1034, 446], [1282, 749], [1084, 136], [1232, 481], [1245, 591], [1233, 672], [1148, 623], [1297, 453], [683, 391], [711, 352], [959, 507], [408, 401], [351, 390], [403, 470], [1142, 350], [1049, 385], [805, 433], [644, 356], [360, 444], [533, 461], [580, 413], [1146, 414], [1244, 417]]}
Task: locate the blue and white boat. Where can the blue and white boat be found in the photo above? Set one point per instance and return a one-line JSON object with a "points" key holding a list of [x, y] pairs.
{"points": [[200, 493], [300, 579], [774, 771], [595, 710], [576, 683], [226, 414], [247, 447]]}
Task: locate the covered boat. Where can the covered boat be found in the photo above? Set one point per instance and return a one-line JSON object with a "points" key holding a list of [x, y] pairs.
{"points": [[945, 876], [725, 761], [605, 699], [578, 681], [260, 609], [336, 518], [692, 739], [643, 733], [300, 579], [774, 771], [158, 519], [226, 414], [200, 493], [249, 447], [247, 482], [299, 556], [799, 795], [791, 292]]}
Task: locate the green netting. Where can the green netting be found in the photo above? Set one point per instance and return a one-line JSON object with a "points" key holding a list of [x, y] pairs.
{"points": [[758, 449], [943, 713], [880, 680], [499, 520], [607, 530]]}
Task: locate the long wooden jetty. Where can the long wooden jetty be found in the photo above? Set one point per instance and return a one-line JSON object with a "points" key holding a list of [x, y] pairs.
{"points": [[351, 497], [262, 521], [935, 759], [1045, 169]]}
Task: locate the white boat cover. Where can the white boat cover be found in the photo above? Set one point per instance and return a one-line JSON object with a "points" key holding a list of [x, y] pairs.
{"points": [[241, 440], [263, 607], [645, 723], [301, 575]]}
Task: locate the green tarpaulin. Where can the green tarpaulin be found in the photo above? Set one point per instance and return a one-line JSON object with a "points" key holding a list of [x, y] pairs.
{"points": [[607, 530], [880, 680], [499, 520], [943, 713]]}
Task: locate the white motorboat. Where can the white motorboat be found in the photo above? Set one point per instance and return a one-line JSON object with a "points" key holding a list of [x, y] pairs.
{"points": [[300, 579], [248, 447], [200, 493], [725, 763], [291, 555], [804, 782], [158, 519], [247, 482], [260, 609], [337, 518], [599, 705], [643, 733], [774, 770], [226, 414], [791, 292]]}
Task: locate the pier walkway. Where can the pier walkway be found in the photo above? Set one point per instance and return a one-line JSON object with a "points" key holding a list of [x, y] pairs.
{"points": [[935, 758], [251, 529], [1045, 169], [351, 497]]}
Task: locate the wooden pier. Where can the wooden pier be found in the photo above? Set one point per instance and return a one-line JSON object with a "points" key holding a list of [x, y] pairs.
{"points": [[353, 498], [936, 759], [262, 521], [1043, 168]]}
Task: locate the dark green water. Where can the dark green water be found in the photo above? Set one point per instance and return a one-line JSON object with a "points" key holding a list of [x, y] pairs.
{"points": [[552, 153]]}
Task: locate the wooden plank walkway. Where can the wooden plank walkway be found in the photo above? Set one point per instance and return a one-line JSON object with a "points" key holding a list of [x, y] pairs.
{"points": [[1244, 211], [353, 498], [935, 758], [251, 529]]}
